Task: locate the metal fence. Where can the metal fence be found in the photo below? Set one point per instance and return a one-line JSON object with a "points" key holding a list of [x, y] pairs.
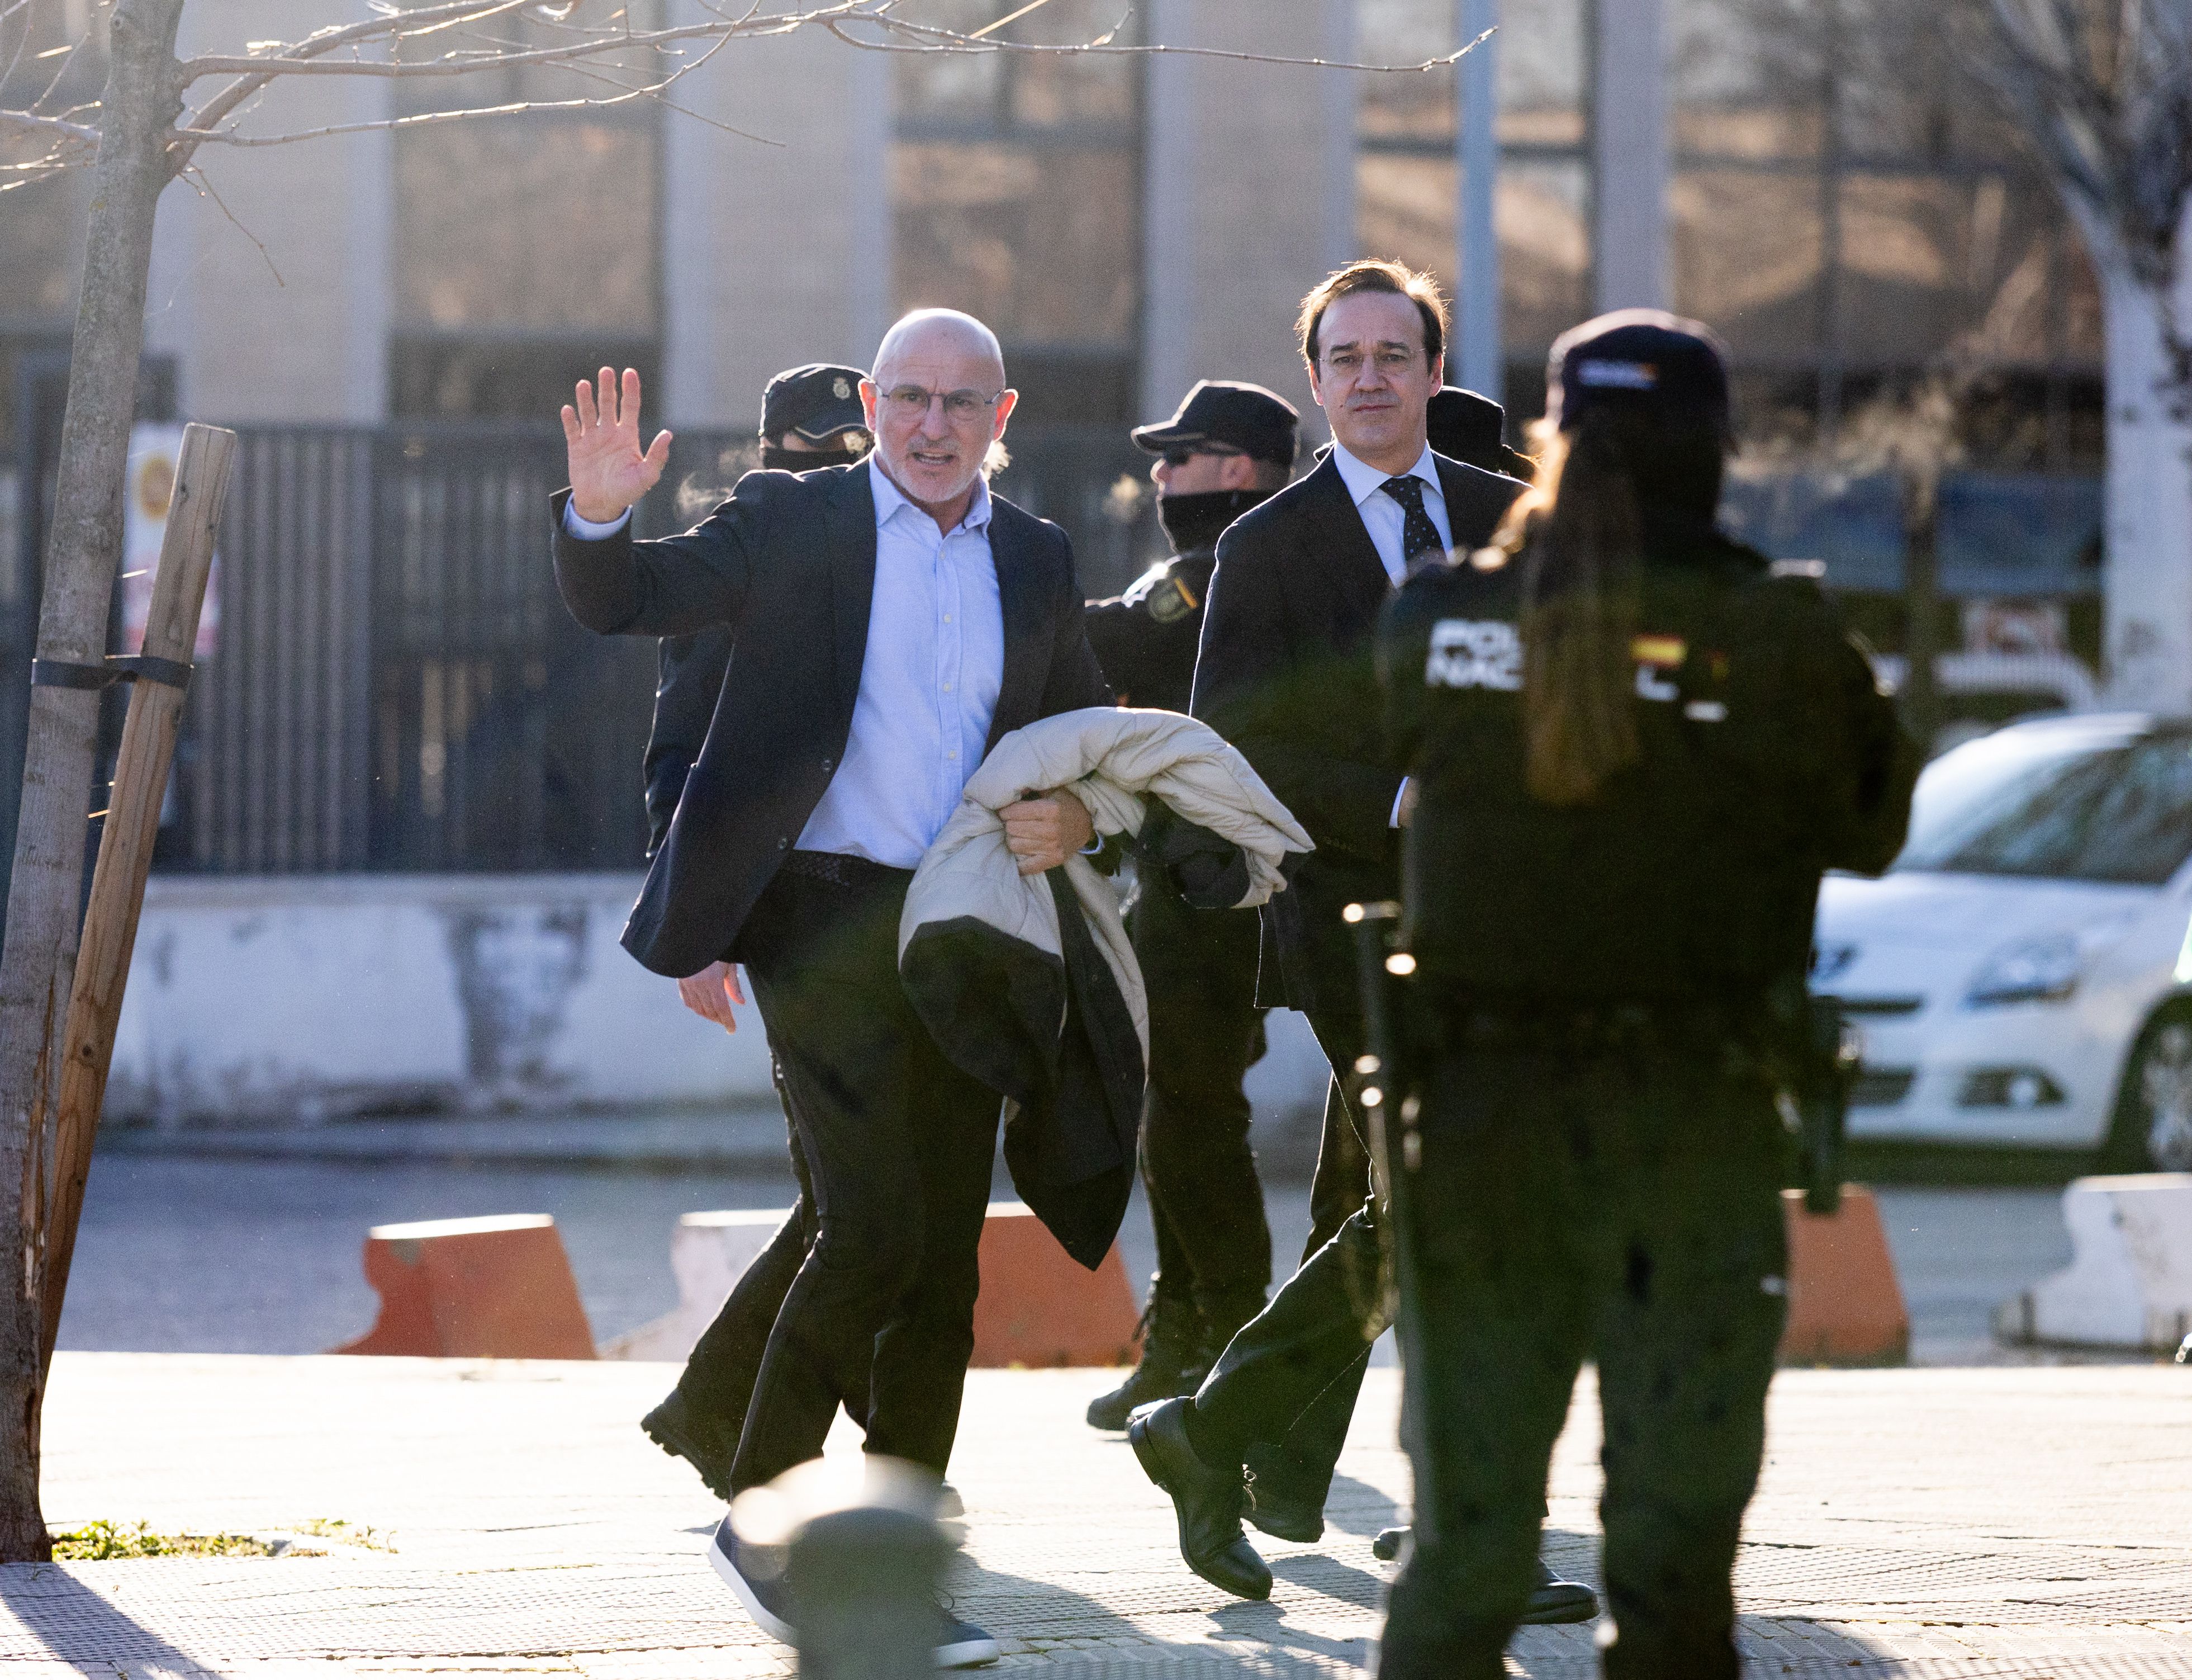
{"points": [[396, 685]]}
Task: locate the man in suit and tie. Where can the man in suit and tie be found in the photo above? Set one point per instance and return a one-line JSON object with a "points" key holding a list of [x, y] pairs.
{"points": [[1285, 673], [891, 622]]}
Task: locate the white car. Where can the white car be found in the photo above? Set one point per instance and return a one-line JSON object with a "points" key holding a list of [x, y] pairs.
{"points": [[2021, 976]]}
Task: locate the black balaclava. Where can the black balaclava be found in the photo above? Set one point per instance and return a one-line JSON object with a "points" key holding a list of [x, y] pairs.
{"points": [[1197, 522], [777, 458]]}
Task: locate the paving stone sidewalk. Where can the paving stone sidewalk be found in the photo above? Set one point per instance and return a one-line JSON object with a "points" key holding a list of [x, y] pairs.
{"points": [[1924, 1524]]}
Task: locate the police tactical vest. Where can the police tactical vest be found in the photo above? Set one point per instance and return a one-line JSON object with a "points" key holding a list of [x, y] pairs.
{"points": [[1695, 872]]}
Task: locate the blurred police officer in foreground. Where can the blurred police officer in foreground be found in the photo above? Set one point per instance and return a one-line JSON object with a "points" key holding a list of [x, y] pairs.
{"points": [[810, 417], [1229, 447], [1631, 751]]}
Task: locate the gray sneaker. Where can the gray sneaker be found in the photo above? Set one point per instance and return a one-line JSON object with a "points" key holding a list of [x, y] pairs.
{"points": [[763, 1593], [960, 1644]]}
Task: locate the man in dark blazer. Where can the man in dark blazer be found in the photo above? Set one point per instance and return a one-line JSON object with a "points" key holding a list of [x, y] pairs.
{"points": [[892, 620], [811, 418], [1286, 674]]}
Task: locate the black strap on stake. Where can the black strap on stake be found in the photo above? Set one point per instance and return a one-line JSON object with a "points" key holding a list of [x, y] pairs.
{"points": [[118, 668]]}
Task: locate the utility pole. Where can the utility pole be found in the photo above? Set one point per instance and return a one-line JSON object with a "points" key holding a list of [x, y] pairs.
{"points": [[1478, 340]]}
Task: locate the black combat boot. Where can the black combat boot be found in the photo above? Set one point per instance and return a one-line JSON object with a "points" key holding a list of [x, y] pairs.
{"points": [[1173, 1362]]}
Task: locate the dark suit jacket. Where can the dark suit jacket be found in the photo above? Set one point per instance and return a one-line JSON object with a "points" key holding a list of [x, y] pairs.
{"points": [[1285, 672], [688, 676], [793, 560]]}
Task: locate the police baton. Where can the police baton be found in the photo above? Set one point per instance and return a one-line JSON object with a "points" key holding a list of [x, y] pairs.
{"points": [[1831, 1056]]}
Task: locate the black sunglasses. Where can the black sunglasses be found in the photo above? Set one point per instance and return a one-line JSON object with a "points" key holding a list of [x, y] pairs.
{"points": [[1186, 453]]}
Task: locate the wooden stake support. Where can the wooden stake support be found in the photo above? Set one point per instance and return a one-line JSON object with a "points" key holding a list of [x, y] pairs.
{"points": [[125, 847]]}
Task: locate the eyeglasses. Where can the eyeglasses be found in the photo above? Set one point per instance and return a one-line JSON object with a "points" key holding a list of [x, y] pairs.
{"points": [[910, 401], [1390, 359], [1178, 458]]}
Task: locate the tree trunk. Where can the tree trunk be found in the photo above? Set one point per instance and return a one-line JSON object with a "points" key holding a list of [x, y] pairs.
{"points": [[2147, 577], [138, 108]]}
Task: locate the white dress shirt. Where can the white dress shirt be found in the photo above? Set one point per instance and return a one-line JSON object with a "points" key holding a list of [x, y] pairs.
{"points": [[1383, 517], [930, 681], [1386, 521]]}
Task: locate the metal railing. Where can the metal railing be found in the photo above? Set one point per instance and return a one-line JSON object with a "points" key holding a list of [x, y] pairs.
{"points": [[396, 685]]}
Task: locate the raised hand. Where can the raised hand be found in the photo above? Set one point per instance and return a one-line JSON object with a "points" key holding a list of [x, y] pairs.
{"points": [[609, 473]]}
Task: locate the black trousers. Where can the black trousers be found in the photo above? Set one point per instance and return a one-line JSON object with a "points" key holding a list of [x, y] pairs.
{"points": [[1622, 1205], [719, 1376], [899, 1143], [1205, 1201], [1282, 1396]]}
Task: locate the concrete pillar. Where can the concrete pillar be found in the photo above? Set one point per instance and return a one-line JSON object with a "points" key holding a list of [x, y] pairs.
{"points": [[776, 250], [1250, 192], [1630, 149], [298, 331], [1479, 353]]}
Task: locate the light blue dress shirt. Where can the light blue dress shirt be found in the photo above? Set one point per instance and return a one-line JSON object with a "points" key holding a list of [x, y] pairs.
{"points": [[936, 662], [929, 685], [1385, 519]]}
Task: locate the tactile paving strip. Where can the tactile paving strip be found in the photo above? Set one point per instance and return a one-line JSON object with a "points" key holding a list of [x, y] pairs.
{"points": [[1912, 1525]]}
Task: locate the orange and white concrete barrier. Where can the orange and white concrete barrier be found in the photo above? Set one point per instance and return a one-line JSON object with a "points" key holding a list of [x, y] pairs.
{"points": [[1040, 1306], [1844, 1305], [497, 1287]]}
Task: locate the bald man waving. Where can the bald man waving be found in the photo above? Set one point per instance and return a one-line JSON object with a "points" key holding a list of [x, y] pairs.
{"points": [[892, 620]]}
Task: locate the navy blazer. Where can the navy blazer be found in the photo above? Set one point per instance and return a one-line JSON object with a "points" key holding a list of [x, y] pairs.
{"points": [[787, 566], [1287, 673]]}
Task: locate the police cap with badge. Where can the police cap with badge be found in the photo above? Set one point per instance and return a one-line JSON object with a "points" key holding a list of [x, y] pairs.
{"points": [[1227, 417], [820, 401], [1224, 417], [1644, 358]]}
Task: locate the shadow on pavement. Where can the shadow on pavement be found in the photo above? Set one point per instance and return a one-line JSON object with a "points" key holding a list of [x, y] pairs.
{"points": [[55, 1614], [1355, 1507]]}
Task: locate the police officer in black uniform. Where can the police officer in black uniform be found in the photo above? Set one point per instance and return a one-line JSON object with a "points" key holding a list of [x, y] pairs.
{"points": [[810, 417], [1631, 748], [1229, 447], [1467, 426]]}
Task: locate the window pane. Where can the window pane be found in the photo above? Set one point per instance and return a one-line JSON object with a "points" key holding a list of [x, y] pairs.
{"points": [[2111, 816], [1909, 258], [1542, 67], [1029, 92], [1043, 245], [962, 86], [1747, 252], [1404, 210], [1746, 78], [484, 215], [41, 241], [1544, 251], [1405, 32], [1097, 88]]}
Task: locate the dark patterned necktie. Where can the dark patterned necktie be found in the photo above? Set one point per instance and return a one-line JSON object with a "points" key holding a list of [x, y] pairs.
{"points": [[1419, 537]]}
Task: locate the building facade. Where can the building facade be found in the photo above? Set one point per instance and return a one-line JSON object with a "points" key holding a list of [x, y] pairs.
{"points": [[393, 310]]}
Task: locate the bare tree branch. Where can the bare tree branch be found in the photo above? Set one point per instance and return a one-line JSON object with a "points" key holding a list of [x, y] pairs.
{"points": [[56, 127], [598, 54]]}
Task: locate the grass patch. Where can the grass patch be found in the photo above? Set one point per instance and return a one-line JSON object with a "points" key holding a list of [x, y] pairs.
{"points": [[348, 1533], [96, 1542]]}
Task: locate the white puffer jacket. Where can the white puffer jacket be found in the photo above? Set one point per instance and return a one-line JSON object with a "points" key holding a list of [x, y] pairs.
{"points": [[1029, 982]]}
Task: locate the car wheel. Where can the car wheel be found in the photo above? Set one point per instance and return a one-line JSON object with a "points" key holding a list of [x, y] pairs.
{"points": [[2152, 1132]]}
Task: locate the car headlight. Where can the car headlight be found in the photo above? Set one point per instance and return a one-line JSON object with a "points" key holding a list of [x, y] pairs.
{"points": [[2039, 970]]}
